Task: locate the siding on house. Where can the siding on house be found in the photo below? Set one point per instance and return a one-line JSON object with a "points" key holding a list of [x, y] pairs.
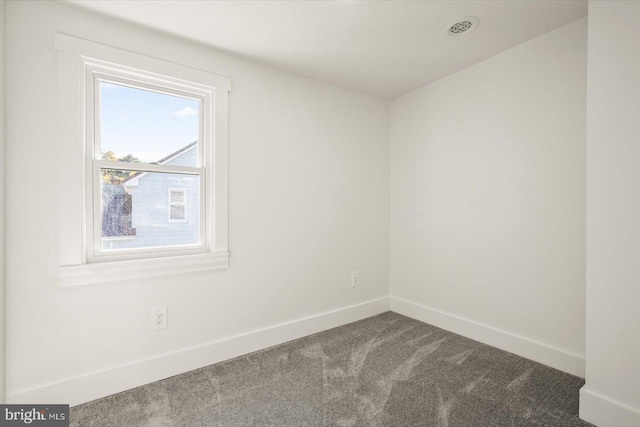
{"points": [[150, 207]]}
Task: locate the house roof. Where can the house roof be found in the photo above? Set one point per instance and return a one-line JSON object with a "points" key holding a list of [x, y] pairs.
{"points": [[164, 160], [176, 153]]}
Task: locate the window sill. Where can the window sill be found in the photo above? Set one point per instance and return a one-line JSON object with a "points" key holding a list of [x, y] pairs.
{"points": [[118, 238], [118, 271]]}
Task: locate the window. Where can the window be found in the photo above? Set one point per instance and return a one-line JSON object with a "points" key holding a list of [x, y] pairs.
{"points": [[155, 163], [177, 205], [145, 134]]}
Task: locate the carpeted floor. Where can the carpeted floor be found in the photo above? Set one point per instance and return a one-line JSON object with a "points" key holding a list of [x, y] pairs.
{"points": [[387, 370]]}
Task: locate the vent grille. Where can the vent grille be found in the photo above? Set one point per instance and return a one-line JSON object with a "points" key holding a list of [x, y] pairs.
{"points": [[464, 26], [461, 27]]}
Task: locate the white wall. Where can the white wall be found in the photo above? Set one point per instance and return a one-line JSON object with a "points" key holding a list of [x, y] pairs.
{"points": [[2, 205], [488, 200], [309, 203], [611, 396]]}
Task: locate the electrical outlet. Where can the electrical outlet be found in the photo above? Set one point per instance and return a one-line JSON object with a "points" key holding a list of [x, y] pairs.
{"points": [[355, 279], [159, 318]]}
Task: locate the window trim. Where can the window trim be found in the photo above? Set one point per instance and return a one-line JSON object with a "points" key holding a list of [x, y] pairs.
{"points": [[77, 267]]}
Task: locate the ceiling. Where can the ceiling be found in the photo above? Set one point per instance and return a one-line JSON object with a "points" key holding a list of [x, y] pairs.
{"points": [[384, 48]]}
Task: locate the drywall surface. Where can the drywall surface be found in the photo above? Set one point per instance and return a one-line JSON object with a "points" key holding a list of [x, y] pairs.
{"points": [[309, 203], [2, 205], [611, 396], [488, 195]]}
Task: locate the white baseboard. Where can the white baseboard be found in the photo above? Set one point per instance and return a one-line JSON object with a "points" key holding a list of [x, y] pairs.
{"points": [[561, 359], [606, 412], [75, 391]]}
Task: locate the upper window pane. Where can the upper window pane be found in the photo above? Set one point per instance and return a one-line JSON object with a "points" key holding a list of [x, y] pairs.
{"points": [[138, 125], [177, 196]]}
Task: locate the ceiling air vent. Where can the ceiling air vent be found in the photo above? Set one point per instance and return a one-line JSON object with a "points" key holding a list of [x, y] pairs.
{"points": [[464, 26]]}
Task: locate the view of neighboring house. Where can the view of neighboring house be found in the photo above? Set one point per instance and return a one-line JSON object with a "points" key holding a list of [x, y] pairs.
{"points": [[153, 209]]}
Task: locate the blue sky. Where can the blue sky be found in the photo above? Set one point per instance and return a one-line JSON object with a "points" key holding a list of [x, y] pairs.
{"points": [[147, 124]]}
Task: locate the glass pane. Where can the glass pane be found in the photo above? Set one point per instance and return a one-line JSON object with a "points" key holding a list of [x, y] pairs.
{"points": [[143, 126], [178, 212], [177, 196], [137, 211]]}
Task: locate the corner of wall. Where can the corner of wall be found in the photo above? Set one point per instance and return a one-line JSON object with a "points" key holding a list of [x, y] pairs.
{"points": [[603, 411], [544, 353]]}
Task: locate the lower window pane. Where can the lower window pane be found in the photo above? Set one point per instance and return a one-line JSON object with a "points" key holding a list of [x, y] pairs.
{"points": [[149, 209]]}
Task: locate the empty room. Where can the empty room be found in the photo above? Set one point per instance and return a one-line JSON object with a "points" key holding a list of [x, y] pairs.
{"points": [[319, 213]]}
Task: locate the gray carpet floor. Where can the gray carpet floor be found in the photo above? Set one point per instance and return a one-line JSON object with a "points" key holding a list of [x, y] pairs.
{"points": [[387, 370]]}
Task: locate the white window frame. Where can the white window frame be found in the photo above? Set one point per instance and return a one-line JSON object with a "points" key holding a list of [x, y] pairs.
{"points": [[98, 72], [82, 64], [183, 204]]}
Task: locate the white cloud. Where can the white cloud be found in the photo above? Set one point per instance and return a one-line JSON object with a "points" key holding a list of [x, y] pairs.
{"points": [[186, 112]]}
